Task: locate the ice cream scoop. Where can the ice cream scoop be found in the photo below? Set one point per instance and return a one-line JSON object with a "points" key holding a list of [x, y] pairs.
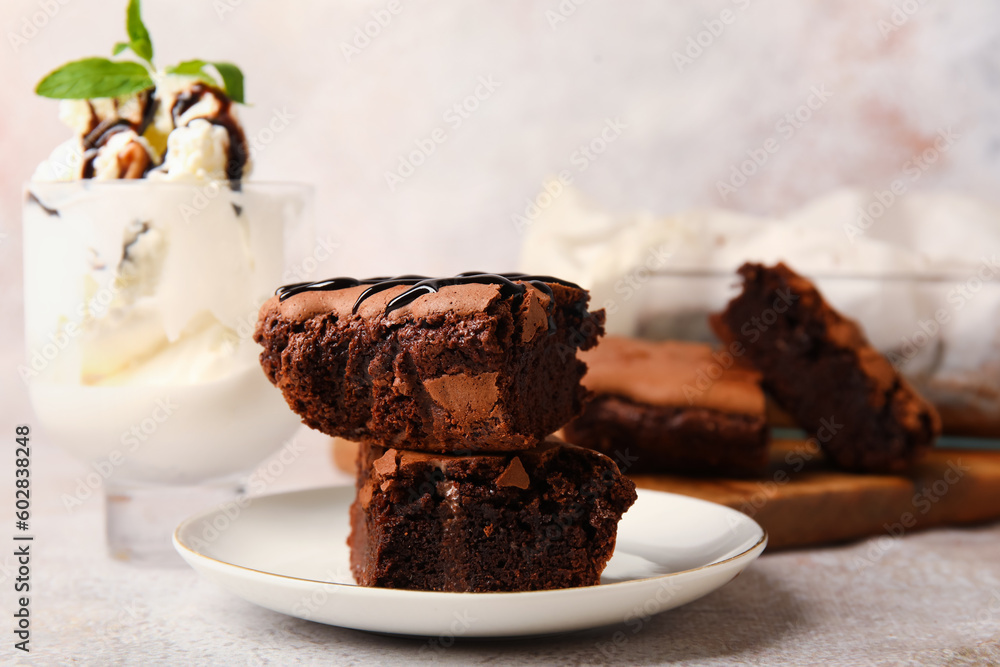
{"points": [[183, 129]]}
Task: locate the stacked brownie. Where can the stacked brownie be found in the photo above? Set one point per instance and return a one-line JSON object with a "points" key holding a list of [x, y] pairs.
{"points": [[452, 386]]}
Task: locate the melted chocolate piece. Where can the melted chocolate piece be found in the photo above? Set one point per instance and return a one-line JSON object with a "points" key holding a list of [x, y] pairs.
{"points": [[238, 149], [510, 284]]}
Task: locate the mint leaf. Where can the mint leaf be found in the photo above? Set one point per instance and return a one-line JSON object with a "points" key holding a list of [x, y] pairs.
{"points": [[94, 77], [188, 67], [119, 47], [194, 68], [232, 79], [138, 36]]}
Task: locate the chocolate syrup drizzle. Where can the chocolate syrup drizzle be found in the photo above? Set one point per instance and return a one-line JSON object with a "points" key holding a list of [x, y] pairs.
{"points": [[101, 132], [510, 284], [238, 149]]}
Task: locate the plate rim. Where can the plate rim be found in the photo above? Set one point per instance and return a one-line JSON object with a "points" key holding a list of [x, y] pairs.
{"points": [[759, 546]]}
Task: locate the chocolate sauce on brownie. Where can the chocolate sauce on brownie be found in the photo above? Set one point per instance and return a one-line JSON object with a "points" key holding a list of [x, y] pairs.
{"points": [[510, 284]]}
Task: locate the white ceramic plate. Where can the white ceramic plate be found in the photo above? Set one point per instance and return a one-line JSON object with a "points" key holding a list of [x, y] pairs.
{"points": [[288, 553]]}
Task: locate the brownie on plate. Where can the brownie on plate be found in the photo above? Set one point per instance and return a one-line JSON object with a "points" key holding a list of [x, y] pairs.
{"points": [[672, 407], [536, 519], [478, 362], [820, 368]]}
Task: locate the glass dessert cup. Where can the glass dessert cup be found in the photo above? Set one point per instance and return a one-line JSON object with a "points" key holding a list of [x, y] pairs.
{"points": [[141, 300]]}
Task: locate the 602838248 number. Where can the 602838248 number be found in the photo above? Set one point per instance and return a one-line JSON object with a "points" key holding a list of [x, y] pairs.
{"points": [[22, 483]]}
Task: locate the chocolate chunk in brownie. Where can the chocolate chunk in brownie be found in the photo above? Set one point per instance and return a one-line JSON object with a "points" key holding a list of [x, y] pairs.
{"points": [[535, 519], [672, 407], [820, 368], [473, 366]]}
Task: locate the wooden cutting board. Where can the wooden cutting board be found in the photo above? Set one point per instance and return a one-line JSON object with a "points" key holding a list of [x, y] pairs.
{"points": [[801, 502]]}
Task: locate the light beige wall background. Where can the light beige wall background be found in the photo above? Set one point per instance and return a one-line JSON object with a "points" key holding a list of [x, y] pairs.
{"points": [[560, 81]]}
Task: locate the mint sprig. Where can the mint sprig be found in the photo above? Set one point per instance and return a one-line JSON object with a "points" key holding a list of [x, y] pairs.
{"points": [[232, 80], [232, 77], [193, 68], [138, 36], [95, 77], [90, 78]]}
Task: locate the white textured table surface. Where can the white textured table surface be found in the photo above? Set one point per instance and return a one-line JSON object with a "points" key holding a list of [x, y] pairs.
{"points": [[929, 598]]}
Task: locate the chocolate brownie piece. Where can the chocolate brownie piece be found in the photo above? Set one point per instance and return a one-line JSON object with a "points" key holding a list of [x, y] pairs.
{"points": [[820, 368], [536, 519], [672, 407], [471, 366]]}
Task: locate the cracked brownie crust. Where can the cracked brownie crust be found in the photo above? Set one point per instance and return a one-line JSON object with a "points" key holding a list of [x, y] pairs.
{"points": [[470, 367]]}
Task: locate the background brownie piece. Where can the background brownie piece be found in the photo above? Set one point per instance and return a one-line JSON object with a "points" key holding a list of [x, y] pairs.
{"points": [[471, 367], [821, 369], [531, 520], [672, 407]]}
